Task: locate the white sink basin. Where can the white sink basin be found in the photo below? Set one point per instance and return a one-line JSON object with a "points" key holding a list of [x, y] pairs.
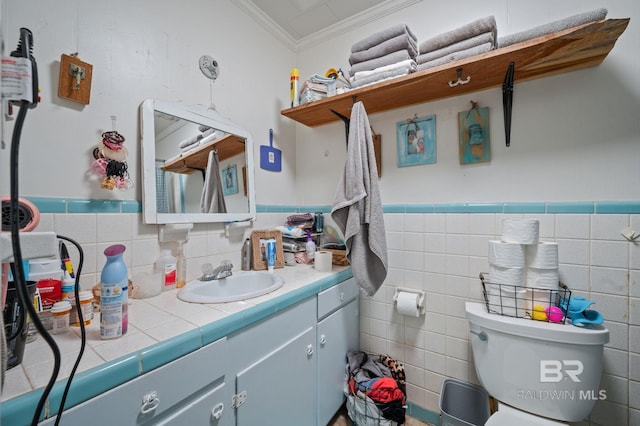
{"points": [[241, 285]]}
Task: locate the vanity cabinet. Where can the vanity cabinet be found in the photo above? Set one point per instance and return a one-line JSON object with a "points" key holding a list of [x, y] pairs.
{"points": [[191, 390], [287, 368], [338, 333]]}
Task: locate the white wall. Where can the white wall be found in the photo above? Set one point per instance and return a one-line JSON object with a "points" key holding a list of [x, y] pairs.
{"points": [[139, 50], [574, 136]]}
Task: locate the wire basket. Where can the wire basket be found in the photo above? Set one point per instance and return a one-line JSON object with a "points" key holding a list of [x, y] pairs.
{"points": [[540, 304]]}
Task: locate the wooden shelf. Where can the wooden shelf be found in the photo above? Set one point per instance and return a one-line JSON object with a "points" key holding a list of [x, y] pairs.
{"points": [[568, 50], [197, 159]]}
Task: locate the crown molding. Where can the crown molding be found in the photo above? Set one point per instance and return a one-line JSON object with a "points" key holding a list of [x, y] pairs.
{"points": [[266, 22], [344, 26]]}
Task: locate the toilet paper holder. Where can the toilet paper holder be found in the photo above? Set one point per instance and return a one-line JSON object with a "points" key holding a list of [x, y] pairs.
{"points": [[421, 299]]}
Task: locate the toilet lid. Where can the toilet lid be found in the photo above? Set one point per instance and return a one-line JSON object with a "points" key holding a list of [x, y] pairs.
{"points": [[509, 416]]}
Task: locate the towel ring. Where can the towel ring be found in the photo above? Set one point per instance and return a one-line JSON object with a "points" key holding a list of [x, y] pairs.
{"points": [[460, 80]]}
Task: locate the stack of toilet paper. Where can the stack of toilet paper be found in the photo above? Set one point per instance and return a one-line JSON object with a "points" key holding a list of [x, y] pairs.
{"points": [[523, 271]]}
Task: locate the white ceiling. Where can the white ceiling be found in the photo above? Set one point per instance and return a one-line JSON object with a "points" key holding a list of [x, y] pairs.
{"points": [[302, 21], [301, 18]]}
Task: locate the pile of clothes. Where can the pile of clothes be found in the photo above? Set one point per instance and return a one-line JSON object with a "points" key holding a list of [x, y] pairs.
{"points": [[472, 39], [375, 390], [385, 54], [317, 87]]}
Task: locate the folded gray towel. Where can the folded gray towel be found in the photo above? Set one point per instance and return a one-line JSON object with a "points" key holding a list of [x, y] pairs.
{"points": [[456, 56], [380, 36], [383, 75], [553, 27], [372, 64], [392, 45], [472, 29], [456, 47]]}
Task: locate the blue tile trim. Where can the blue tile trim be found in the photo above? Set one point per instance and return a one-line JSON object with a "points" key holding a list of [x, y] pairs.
{"points": [[169, 350], [131, 207], [485, 208], [617, 207], [450, 208], [576, 208], [64, 205], [419, 208], [49, 205], [91, 383], [13, 411], [94, 206], [393, 208], [423, 414], [524, 207]]}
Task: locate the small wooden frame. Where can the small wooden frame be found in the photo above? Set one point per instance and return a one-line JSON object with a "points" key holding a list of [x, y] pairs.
{"points": [[260, 261]]}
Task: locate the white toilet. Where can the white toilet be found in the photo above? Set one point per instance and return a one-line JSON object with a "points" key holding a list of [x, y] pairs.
{"points": [[540, 373]]}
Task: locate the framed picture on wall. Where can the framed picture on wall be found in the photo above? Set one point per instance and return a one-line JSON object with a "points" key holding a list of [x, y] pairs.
{"points": [[473, 139], [416, 141], [230, 180]]}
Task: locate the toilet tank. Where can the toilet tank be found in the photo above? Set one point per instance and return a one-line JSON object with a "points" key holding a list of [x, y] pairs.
{"points": [[551, 370]]}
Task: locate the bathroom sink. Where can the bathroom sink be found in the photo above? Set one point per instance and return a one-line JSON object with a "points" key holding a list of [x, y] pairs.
{"points": [[241, 285]]}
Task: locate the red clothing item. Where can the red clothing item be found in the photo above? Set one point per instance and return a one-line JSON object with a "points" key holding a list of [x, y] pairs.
{"points": [[386, 390]]}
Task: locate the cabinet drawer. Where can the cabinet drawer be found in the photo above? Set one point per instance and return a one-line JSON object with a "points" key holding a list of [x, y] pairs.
{"points": [[164, 389], [333, 298]]}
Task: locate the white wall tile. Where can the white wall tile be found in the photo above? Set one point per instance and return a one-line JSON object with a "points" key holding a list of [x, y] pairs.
{"points": [[634, 339], [482, 224], [609, 280], [573, 226], [457, 223], [434, 223], [616, 387], [616, 362], [547, 226], [573, 251], [115, 228], [434, 362], [413, 223], [634, 397], [608, 226], [435, 263], [610, 253], [613, 308], [81, 227], [576, 277], [458, 244], [634, 311], [435, 243], [413, 241], [393, 222]]}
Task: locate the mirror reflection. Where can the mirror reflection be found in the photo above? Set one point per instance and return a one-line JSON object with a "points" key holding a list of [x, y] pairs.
{"points": [[195, 165]]}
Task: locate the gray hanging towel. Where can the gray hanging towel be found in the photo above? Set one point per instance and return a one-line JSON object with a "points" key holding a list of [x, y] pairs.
{"points": [[357, 208], [212, 199]]}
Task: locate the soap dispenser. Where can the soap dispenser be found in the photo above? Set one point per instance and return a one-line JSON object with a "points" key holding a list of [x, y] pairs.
{"points": [[181, 266]]}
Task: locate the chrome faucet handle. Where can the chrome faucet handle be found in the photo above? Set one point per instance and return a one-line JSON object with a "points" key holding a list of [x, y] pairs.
{"points": [[207, 272]]}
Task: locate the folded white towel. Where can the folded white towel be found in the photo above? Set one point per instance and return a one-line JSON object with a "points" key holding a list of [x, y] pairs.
{"points": [[383, 76], [406, 64], [391, 58]]}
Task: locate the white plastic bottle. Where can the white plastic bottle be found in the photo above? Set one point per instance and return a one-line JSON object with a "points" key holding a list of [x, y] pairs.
{"points": [[166, 266], [310, 248]]}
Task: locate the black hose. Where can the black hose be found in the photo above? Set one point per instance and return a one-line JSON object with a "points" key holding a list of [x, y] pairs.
{"points": [[19, 275], [83, 334]]}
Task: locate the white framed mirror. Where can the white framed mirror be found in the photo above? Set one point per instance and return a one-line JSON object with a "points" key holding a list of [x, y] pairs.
{"points": [[197, 166]]}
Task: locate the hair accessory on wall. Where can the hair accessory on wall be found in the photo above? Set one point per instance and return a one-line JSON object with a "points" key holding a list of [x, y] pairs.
{"points": [[111, 160]]}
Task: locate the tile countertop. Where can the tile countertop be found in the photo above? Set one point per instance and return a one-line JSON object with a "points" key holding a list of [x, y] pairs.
{"points": [[161, 329]]}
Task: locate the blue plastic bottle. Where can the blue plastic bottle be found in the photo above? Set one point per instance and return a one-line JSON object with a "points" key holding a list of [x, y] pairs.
{"points": [[114, 287]]}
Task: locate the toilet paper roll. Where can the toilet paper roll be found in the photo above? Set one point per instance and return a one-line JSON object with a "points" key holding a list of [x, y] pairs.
{"points": [[508, 276], [543, 255], [506, 255], [323, 261], [544, 298], [407, 303], [522, 231], [542, 278]]}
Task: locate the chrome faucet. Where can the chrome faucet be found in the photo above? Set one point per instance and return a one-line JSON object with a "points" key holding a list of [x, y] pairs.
{"points": [[222, 271]]}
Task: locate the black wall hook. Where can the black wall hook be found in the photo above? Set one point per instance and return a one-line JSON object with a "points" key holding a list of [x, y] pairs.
{"points": [[507, 101]]}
